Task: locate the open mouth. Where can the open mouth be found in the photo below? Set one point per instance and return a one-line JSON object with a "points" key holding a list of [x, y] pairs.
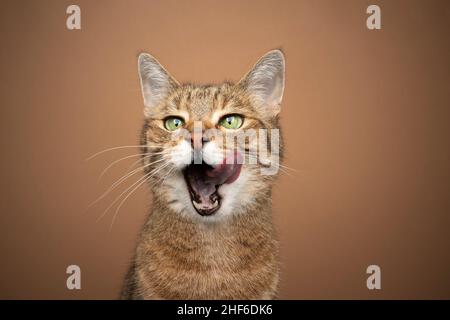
{"points": [[204, 181]]}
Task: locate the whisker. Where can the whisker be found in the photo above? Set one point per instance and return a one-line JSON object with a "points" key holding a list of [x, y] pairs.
{"points": [[126, 197], [167, 175], [116, 161], [147, 154], [131, 156], [288, 168], [123, 178], [126, 190], [120, 147], [279, 164], [256, 157], [133, 164], [145, 178]]}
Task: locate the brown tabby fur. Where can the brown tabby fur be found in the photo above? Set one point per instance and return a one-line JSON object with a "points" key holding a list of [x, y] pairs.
{"points": [[179, 257]]}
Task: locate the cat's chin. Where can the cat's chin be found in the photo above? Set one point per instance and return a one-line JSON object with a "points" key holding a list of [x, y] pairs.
{"points": [[203, 182]]}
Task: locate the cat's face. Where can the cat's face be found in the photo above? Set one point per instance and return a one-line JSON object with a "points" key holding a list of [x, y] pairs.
{"points": [[202, 144]]}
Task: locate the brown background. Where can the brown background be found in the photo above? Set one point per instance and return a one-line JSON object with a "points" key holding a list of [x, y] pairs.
{"points": [[365, 118]]}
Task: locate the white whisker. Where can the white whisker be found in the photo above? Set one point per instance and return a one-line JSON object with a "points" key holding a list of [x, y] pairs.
{"points": [[145, 178], [123, 178], [121, 147], [126, 190], [116, 161]]}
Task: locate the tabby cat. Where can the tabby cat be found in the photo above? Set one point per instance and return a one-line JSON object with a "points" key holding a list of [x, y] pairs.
{"points": [[210, 233]]}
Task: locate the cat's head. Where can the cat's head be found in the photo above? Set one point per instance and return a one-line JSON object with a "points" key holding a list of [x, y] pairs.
{"points": [[212, 151]]}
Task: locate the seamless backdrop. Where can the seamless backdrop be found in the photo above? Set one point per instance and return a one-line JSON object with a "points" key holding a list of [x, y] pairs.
{"points": [[365, 119]]}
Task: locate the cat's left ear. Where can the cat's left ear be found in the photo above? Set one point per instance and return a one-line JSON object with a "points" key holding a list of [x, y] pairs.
{"points": [[156, 82], [265, 81]]}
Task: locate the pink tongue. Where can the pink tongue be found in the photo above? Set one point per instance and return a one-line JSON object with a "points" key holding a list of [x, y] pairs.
{"points": [[204, 179], [228, 171]]}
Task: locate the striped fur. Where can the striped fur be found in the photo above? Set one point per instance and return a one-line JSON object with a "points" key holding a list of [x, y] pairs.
{"points": [[234, 253]]}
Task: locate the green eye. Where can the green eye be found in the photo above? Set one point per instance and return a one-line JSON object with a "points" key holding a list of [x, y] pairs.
{"points": [[173, 123], [231, 121]]}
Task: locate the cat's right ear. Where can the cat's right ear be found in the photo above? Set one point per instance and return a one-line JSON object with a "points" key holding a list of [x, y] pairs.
{"points": [[265, 81], [156, 82]]}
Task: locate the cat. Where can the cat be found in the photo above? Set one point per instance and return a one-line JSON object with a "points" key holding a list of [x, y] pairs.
{"points": [[210, 233]]}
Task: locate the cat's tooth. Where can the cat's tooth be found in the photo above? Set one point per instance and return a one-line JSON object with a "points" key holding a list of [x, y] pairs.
{"points": [[199, 207], [196, 205]]}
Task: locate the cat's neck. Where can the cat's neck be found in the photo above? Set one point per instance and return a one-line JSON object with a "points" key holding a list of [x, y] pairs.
{"points": [[167, 224], [223, 257]]}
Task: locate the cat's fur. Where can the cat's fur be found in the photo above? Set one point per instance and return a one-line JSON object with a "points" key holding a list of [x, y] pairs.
{"points": [[232, 254]]}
